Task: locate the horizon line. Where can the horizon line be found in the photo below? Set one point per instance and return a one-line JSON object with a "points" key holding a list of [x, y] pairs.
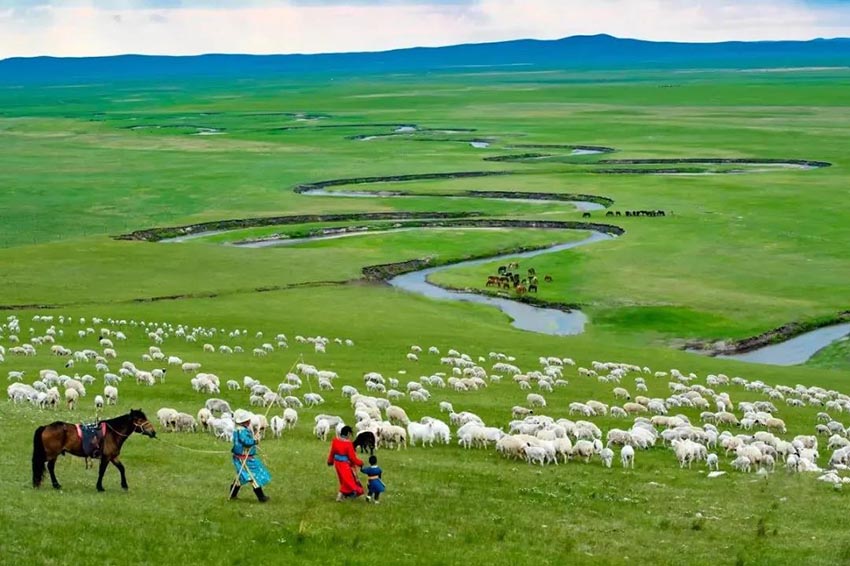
{"points": [[450, 45]]}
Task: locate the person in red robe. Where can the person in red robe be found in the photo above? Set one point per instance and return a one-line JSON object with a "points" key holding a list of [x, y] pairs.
{"points": [[343, 458]]}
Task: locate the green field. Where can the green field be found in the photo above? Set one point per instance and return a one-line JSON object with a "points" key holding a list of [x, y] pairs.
{"points": [[736, 255]]}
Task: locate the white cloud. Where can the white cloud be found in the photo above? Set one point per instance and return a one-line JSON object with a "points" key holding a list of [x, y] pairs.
{"points": [[81, 28]]}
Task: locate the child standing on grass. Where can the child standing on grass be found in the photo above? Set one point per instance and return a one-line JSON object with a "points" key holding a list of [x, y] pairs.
{"points": [[376, 485]]}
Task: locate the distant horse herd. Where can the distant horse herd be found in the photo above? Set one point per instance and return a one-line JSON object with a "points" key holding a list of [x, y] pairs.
{"points": [[509, 277], [649, 213]]}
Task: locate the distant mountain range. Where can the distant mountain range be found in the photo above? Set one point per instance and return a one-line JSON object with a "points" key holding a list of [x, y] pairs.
{"points": [[577, 52]]}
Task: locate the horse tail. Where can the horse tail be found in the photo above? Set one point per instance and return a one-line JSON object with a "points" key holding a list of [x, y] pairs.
{"points": [[39, 457]]}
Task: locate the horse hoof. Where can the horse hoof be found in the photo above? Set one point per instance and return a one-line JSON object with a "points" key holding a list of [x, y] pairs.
{"points": [[57, 486], [100, 488], [125, 487]]}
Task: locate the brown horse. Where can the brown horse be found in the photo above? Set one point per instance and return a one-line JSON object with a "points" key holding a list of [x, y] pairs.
{"points": [[56, 439]]}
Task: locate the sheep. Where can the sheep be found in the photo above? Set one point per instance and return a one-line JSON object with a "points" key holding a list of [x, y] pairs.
{"points": [[632, 408], [396, 414], [393, 436], [446, 407], [420, 432], [71, 396], [394, 395], [204, 418], [313, 399], [185, 422], [290, 417], [627, 456], [742, 464], [321, 429], [110, 392], [617, 436], [421, 396], [621, 393], [774, 423], [98, 403], [189, 367], [535, 454], [712, 462], [583, 449], [618, 412], [607, 456], [218, 406], [167, 418], [535, 400], [348, 391]]}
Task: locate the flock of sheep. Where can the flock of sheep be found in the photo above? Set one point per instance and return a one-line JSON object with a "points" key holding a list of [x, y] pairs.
{"points": [[721, 430]]}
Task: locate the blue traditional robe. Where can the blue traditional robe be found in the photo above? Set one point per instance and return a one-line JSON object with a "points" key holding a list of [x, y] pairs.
{"points": [[376, 484], [245, 449]]}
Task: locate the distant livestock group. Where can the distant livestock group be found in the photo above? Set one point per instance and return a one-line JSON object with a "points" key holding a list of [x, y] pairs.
{"points": [[508, 278]]}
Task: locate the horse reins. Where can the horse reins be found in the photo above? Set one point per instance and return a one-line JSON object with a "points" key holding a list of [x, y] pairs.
{"points": [[136, 428]]}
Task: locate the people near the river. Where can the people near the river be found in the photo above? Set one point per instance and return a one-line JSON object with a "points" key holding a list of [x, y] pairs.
{"points": [[343, 458], [249, 468], [375, 485]]}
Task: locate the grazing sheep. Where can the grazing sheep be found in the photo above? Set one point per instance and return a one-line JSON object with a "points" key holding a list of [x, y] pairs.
{"points": [[290, 417], [712, 462], [396, 414], [535, 454], [218, 406], [185, 423], [71, 397], [277, 425], [167, 418], [742, 464], [98, 403], [618, 412], [204, 418], [535, 400], [627, 457], [313, 399], [607, 456], [633, 408], [583, 449], [110, 392], [621, 393]]}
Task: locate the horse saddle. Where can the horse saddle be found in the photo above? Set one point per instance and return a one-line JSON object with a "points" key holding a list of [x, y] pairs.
{"points": [[91, 435]]}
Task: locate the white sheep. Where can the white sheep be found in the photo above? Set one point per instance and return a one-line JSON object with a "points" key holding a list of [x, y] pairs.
{"points": [[396, 414], [277, 425], [98, 403], [627, 457], [742, 464], [71, 397], [535, 454], [290, 417], [535, 400], [621, 393], [110, 392], [607, 456]]}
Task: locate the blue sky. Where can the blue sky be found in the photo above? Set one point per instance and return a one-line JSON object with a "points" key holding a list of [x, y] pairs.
{"points": [[106, 27]]}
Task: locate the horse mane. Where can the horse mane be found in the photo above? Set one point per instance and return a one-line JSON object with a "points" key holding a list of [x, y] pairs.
{"points": [[119, 420]]}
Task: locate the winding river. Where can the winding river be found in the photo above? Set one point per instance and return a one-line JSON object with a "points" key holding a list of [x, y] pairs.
{"points": [[794, 351], [526, 316], [523, 316]]}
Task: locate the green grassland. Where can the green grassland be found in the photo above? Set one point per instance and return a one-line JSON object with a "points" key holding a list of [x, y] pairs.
{"points": [[739, 255]]}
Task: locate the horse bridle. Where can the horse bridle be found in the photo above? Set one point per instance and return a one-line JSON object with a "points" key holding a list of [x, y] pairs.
{"points": [[139, 428]]}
